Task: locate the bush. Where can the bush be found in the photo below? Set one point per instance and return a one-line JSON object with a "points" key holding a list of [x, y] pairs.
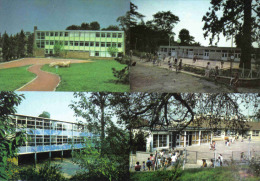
{"points": [[122, 75], [254, 167]]}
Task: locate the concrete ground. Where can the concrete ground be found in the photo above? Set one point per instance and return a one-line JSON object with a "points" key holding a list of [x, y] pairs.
{"points": [[203, 152], [145, 77]]}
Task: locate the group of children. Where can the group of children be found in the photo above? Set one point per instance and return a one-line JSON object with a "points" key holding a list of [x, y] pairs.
{"points": [[218, 163], [175, 63], [161, 161]]}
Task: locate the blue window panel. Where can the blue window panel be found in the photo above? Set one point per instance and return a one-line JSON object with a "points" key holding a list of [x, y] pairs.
{"points": [[47, 132], [22, 149], [39, 132], [76, 133], [56, 132], [67, 147], [31, 149], [78, 146], [69, 133], [30, 131]]}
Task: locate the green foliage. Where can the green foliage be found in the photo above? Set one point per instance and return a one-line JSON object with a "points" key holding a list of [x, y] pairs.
{"points": [[185, 37], [10, 140], [92, 77], [139, 142], [48, 172], [112, 28], [85, 26], [21, 44], [58, 48], [112, 51], [5, 49], [122, 75], [95, 166], [45, 114], [254, 167], [30, 45]]}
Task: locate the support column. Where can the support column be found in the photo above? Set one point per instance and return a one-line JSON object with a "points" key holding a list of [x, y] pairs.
{"points": [[211, 136], [61, 155], [184, 139], [50, 156], [199, 136], [35, 159]]}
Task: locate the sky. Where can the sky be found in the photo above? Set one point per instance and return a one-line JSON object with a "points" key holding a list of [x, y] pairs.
{"points": [[190, 13], [58, 14], [57, 104]]}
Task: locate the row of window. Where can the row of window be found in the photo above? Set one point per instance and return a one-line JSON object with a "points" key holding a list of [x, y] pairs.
{"points": [[79, 43], [40, 140], [48, 125], [41, 35], [191, 50], [160, 140], [255, 133]]}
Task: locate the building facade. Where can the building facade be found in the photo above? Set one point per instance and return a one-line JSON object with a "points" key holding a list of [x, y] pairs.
{"points": [[205, 53], [47, 135], [93, 42]]}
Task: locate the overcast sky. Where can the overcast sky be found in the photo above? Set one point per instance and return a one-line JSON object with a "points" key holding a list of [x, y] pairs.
{"points": [[58, 14], [190, 13]]}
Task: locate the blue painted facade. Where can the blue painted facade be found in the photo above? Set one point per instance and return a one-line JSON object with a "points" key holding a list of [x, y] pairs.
{"points": [[45, 135]]}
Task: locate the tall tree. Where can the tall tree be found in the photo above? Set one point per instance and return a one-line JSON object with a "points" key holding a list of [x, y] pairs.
{"points": [[185, 37], [84, 26], [30, 44], [165, 21], [237, 18], [112, 27], [6, 44], [73, 27], [94, 25], [93, 109], [21, 44], [45, 114], [10, 140]]}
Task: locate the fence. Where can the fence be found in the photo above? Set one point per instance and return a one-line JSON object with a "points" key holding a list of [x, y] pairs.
{"points": [[195, 157]]}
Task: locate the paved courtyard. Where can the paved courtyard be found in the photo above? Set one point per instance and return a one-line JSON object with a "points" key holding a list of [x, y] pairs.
{"points": [[144, 77]]}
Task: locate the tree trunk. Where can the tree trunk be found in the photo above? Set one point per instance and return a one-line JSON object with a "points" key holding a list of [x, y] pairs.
{"points": [[102, 137], [247, 29]]}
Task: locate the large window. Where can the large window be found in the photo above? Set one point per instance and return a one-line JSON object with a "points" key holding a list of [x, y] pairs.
{"points": [[119, 35], [159, 140], [114, 35], [97, 34], [255, 133]]}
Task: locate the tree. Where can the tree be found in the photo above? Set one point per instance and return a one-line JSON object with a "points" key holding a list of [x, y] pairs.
{"points": [[112, 28], [58, 48], [84, 26], [165, 21], [94, 25], [112, 51], [93, 109], [180, 110], [21, 44], [5, 49], [10, 140], [30, 44], [73, 27], [45, 114], [237, 18], [185, 37]]}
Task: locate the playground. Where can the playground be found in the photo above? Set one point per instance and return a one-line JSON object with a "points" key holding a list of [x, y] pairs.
{"points": [[147, 76]]}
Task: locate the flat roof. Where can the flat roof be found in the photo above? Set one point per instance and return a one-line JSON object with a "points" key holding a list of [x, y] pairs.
{"points": [[44, 118], [81, 31]]}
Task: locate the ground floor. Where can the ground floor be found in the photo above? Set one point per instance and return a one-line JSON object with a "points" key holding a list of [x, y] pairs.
{"points": [[205, 53]]}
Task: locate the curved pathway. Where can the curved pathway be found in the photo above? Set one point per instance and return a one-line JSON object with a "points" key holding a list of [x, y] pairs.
{"points": [[44, 81]]}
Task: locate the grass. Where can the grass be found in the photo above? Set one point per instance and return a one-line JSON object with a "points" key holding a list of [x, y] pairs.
{"points": [[14, 78], [91, 77], [201, 174]]}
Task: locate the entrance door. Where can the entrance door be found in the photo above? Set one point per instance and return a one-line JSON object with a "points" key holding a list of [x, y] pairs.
{"points": [[173, 139], [190, 138]]}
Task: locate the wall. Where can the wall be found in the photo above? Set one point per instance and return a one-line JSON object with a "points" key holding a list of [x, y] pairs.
{"points": [[75, 54], [39, 52]]}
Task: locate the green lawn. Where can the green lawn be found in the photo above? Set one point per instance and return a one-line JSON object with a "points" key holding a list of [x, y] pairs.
{"points": [[217, 174], [91, 77], [14, 78]]}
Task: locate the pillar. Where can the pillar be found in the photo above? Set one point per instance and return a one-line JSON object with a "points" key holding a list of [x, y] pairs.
{"points": [[35, 159], [199, 136], [61, 155], [184, 139]]}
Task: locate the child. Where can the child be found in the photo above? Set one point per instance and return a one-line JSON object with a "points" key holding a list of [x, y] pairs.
{"points": [[143, 165], [149, 164]]}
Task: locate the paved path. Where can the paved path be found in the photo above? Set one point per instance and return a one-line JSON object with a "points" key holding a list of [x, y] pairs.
{"points": [[44, 81]]}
